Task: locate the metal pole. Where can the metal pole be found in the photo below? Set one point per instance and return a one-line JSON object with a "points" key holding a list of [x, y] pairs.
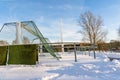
{"points": [[7, 55], [94, 51], [89, 51], [61, 36], [75, 52]]}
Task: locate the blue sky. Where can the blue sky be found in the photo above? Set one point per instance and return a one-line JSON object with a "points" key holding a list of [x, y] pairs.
{"points": [[47, 14]]}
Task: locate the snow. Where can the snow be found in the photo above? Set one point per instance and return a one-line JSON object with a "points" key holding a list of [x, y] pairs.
{"points": [[86, 68]]}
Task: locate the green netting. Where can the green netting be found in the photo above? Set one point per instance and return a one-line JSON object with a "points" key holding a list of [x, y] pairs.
{"points": [[23, 54], [32, 28], [3, 55], [28, 34], [8, 34]]}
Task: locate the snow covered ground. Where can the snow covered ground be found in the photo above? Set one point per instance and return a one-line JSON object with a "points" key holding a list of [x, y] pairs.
{"points": [[86, 68]]}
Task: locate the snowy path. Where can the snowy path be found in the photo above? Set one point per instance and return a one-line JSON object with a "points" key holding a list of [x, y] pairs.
{"points": [[86, 68]]}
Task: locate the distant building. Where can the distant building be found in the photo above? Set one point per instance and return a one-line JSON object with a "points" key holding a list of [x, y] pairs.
{"points": [[2, 43], [112, 41], [115, 45], [26, 40]]}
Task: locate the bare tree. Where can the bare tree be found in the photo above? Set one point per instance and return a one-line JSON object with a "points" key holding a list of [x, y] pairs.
{"points": [[91, 28]]}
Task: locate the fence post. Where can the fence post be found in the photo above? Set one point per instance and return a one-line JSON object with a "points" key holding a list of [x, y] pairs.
{"points": [[94, 51], [75, 52], [89, 51]]}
